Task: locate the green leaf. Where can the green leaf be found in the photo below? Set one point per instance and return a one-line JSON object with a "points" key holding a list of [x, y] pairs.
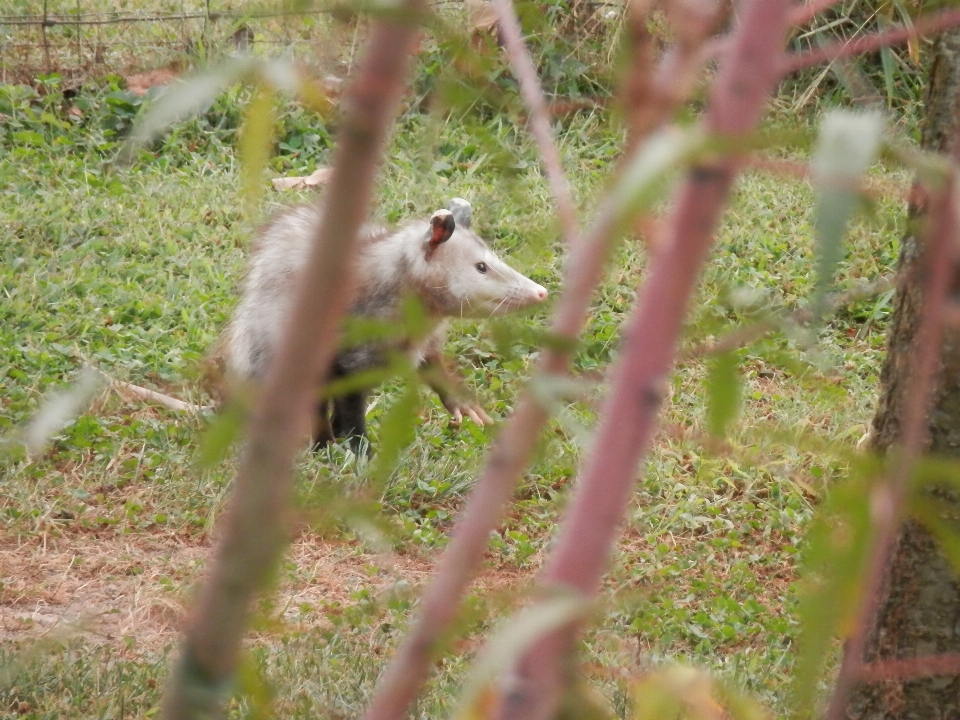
{"points": [[724, 390], [847, 146], [886, 59], [397, 430], [741, 706], [687, 692], [932, 470], [29, 137], [362, 380], [838, 546], [59, 409], [933, 169], [254, 686], [225, 428], [285, 76], [653, 701], [639, 185], [188, 97], [359, 330], [256, 144], [511, 640]]}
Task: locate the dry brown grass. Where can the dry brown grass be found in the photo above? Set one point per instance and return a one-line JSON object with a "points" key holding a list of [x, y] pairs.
{"points": [[120, 590]]}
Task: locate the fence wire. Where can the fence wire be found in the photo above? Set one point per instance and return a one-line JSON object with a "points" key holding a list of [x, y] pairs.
{"points": [[83, 39], [87, 38]]}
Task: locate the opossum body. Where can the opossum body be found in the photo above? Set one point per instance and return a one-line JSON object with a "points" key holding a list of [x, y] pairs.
{"points": [[439, 260]]}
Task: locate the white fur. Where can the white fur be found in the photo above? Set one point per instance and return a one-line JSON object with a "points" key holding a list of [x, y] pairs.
{"points": [[390, 266]]}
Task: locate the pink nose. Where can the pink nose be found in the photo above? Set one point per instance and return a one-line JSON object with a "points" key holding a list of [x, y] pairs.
{"points": [[541, 292]]}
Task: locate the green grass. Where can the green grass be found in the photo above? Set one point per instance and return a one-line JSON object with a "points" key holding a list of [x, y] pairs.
{"points": [[134, 269]]}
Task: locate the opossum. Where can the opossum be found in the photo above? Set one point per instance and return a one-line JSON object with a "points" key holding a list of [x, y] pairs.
{"points": [[441, 261]]}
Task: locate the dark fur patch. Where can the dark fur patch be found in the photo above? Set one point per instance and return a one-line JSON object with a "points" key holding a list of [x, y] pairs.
{"points": [[364, 357], [259, 356], [378, 300]]}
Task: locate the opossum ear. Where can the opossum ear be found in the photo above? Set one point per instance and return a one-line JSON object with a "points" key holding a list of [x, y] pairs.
{"points": [[462, 212], [442, 226]]}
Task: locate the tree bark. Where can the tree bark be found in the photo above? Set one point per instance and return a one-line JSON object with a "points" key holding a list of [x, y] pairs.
{"points": [[920, 614]]}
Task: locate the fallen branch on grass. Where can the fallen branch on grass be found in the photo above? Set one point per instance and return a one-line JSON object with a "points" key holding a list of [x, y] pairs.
{"points": [[152, 396]]}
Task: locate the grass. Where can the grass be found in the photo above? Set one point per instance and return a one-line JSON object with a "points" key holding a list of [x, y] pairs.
{"points": [[134, 269]]}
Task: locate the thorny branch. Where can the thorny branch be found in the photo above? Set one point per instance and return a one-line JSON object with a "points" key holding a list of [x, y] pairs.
{"points": [[252, 533]]}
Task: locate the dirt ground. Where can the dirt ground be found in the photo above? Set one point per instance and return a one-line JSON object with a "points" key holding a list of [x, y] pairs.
{"points": [[137, 590]]}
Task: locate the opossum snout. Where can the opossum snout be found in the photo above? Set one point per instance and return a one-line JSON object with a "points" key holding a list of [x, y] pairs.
{"points": [[524, 293], [533, 293]]}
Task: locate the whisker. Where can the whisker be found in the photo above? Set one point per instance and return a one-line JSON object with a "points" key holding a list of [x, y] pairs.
{"points": [[499, 305]]}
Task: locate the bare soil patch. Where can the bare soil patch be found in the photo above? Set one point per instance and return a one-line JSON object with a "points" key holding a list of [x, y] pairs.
{"points": [[137, 590]]}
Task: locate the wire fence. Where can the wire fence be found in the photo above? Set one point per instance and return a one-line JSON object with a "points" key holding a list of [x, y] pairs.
{"points": [[80, 38]]}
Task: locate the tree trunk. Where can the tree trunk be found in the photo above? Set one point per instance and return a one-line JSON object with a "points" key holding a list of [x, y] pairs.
{"points": [[920, 614]]}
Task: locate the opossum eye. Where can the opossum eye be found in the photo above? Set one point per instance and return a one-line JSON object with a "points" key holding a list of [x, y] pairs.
{"points": [[481, 267]]}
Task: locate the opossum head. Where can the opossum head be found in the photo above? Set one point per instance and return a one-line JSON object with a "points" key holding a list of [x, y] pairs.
{"points": [[461, 277]]}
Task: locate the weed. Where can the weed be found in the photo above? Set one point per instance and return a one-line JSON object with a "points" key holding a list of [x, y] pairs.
{"points": [[134, 269]]}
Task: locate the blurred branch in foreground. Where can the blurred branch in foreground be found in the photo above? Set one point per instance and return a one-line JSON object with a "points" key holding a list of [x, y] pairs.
{"points": [[748, 76], [251, 532]]}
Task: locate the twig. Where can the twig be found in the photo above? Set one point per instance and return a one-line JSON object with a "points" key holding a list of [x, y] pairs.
{"points": [[926, 25], [652, 97], [628, 418], [801, 171], [171, 403], [910, 668], [510, 454], [252, 533], [940, 255], [804, 14], [540, 127], [746, 335]]}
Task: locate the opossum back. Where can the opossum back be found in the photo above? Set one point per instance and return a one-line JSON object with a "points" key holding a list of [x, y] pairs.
{"points": [[278, 256]]}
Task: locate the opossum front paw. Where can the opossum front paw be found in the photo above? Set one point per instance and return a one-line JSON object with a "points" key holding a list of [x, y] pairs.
{"points": [[470, 410]]}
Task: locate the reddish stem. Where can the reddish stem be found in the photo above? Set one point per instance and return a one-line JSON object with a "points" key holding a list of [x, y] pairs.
{"points": [[927, 25], [511, 453], [869, 186], [804, 14], [540, 127], [910, 668], [628, 418], [252, 532], [940, 254]]}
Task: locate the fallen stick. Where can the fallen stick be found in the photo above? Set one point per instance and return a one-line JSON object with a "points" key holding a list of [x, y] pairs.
{"points": [[171, 403]]}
